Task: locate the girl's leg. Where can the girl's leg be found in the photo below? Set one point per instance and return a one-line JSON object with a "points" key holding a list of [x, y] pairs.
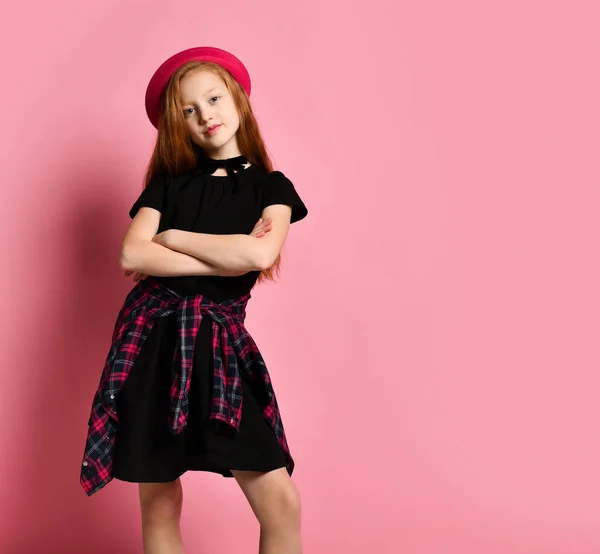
{"points": [[161, 505], [275, 501]]}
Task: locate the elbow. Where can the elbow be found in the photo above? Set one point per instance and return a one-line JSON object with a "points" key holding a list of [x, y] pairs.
{"points": [[124, 265], [265, 259], [125, 258], [261, 265]]}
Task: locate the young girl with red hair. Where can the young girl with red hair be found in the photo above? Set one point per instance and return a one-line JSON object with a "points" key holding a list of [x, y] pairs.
{"points": [[184, 386]]}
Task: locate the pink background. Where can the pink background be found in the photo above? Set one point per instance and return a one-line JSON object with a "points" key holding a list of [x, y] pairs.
{"points": [[434, 337]]}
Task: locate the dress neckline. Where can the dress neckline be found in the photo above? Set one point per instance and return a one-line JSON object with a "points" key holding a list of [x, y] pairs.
{"points": [[228, 176], [207, 166]]}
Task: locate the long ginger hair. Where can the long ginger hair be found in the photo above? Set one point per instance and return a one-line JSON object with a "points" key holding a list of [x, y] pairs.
{"points": [[173, 152]]}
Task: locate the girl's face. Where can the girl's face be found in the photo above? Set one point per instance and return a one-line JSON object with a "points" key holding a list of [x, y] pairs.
{"points": [[207, 104]]}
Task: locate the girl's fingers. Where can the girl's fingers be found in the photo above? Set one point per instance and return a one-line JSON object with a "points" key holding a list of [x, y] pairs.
{"points": [[263, 221], [137, 275], [262, 230], [262, 227]]}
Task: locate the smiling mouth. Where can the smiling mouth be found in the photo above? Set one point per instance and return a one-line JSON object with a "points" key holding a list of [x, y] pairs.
{"points": [[213, 130]]}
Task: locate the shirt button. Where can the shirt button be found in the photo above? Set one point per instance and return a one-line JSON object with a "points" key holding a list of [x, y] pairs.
{"points": [[112, 396], [85, 463]]}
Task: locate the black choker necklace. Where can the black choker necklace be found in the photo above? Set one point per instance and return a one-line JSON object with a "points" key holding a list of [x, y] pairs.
{"points": [[207, 166]]}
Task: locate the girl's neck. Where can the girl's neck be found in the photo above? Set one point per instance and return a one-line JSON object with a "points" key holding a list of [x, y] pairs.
{"points": [[226, 152]]}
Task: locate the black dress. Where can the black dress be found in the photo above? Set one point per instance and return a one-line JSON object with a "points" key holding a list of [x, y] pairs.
{"points": [[145, 450]]}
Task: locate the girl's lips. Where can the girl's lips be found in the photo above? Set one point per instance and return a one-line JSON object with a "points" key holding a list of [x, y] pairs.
{"points": [[213, 130]]}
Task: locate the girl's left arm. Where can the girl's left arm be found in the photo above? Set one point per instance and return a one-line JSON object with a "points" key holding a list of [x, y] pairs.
{"points": [[235, 252]]}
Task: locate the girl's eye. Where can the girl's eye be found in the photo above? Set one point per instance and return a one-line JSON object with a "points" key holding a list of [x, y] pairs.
{"points": [[186, 111]]}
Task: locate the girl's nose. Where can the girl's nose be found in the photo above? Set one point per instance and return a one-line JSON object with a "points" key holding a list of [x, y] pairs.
{"points": [[203, 115]]}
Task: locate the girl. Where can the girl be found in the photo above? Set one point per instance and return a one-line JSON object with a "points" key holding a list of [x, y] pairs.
{"points": [[184, 386]]}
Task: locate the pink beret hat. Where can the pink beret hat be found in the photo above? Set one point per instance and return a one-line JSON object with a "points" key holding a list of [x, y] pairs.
{"points": [[201, 53]]}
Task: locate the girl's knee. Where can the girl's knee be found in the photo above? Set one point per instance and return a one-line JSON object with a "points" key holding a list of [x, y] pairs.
{"points": [[284, 505], [161, 502], [273, 496]]}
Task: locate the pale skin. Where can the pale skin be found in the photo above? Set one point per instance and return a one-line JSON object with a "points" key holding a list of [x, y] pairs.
{"points": [[273, 496], [260, 229]]}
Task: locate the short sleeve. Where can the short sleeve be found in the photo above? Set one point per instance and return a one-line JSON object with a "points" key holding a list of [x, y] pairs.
{"points": [[153, 195], [279, 189]]}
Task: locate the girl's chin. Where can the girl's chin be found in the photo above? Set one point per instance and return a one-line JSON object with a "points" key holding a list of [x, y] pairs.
{"points": [[215, 142]]}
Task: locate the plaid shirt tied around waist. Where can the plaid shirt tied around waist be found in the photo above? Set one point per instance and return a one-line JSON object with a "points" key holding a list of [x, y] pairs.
{"points": [[235, 355]]}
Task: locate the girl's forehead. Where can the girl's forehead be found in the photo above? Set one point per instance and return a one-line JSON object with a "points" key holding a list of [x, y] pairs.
{"points": [[202, 80], [199, 84]]}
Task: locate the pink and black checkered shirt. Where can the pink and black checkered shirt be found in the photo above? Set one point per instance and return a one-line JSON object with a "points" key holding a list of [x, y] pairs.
{"points": [[235, 356]]}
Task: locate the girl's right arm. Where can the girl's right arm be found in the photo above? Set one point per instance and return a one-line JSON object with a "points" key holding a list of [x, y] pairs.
{"points": [[150, 258], [140, 254]]}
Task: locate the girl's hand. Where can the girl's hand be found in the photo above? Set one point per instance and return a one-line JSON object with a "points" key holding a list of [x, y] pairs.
{"points": [[261, 228], [137, 275]]}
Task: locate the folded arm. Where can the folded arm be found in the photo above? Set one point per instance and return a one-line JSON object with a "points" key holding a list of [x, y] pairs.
{"points": [[140, 254], [235, 252], [149, 258]]}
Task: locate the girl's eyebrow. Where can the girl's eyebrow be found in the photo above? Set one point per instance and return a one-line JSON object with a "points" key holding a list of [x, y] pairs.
{"points": [[207, 92]]}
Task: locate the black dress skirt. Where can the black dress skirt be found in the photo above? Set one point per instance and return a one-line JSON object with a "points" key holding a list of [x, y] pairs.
{"points": [[145, 449]]}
